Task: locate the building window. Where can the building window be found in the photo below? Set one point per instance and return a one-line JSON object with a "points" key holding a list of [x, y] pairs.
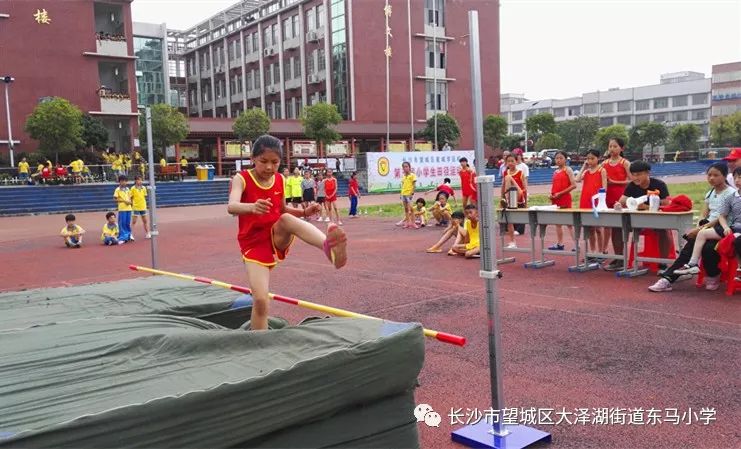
{"points": [[287, 69], [516, 115], [320, 17], [287, 32], [268, 75], [700, 99], [299, 107], [248, 44], [435, 59], [606, 107], [294, 25], [623, 106], [296, 67], [530, 112], [679, 101], [642, 118], [680, 116], [702, 114], [574, 111], [289, 108], [274, 33], [266, 42], [659, 118], [590, 108], [516, 129], [248, 79], [606, 121], [624, 120], [310, 19], [310, 64], [276, 73], [276, 108], [661, 103], [559, 112], [255, 44], [256, 77], [435, 12], [436, 101], [322, 60], [725, 77], [643, 105]]}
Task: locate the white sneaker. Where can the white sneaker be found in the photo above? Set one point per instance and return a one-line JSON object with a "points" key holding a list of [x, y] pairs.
{"points": [[121, 242], [662, 285], [688, 269], [517, 233], [712, 283], [148, 236], [511, 245], [132, 237], [684, 277], [339, 223], [327, 219]]}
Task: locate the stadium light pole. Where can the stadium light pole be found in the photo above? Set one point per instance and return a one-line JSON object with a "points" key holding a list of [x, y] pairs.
{"points": [[7, 79], [524, 123]]}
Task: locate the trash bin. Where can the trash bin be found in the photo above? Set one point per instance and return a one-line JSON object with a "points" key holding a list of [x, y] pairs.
{"points": [[211, 172], [201, 173]]}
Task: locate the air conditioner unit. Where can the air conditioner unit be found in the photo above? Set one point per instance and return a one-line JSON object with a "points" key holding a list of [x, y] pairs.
{"points": [[311, 36], [313, 79], [269, 51], [272, 90]]}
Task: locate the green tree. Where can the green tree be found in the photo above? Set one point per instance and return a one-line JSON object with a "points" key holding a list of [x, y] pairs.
{"points": [[512, 141], [647, 133], [169, 126], [549, 141], [578, 134], [57, 125], [726, 130], [447, 129], [318, 121], [495, 128], [684, 137], [251, 124], [540, 124], [603, 136], [94, 133]]}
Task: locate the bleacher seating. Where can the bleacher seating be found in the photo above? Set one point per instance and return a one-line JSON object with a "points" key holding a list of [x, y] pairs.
{"points": [[23, 200], [541, 176]]}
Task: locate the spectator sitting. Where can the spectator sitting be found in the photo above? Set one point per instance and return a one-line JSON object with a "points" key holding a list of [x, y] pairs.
{"points": [[109, 236], [72, 233], [454, 230], [441, 210], [469, 248], [420, 212]]}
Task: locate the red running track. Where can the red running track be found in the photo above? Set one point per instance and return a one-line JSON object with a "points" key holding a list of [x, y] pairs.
{"points": [[569, 340]]}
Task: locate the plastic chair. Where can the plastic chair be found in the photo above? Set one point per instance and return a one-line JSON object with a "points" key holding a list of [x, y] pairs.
{"points": [[728, 267], [651, 249]]}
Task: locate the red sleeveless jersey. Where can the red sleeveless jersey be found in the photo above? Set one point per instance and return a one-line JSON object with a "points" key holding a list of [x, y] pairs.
{"points": [[560, 183], [616, 173], [468, 187], [253, 227], [592, 182], [518, 177]]}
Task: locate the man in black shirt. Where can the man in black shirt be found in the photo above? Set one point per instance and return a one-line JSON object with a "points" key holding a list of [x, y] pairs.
{"points": [[641, 184]]}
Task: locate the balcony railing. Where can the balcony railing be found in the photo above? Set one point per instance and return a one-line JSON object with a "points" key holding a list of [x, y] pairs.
{"points": [[114, 103], [111, 45]]}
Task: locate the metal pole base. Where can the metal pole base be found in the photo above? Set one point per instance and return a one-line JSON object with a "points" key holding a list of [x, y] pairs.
{"points": [[631, 273], [584, 268], [481, 435], [505, 260], [540, 264]]}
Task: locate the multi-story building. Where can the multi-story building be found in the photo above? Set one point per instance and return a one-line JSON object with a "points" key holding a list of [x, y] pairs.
{"points": [[80, 50], [682, 97], [283, 55], [726, 89]]}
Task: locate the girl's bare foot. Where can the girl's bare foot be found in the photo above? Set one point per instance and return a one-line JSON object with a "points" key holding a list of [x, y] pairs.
{"points": [[335, 245]]}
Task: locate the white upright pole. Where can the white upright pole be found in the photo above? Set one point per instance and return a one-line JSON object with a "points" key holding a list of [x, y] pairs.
{"points": [[387, 12], [10, 131], [411, 86], [435, 57], [152, 189]]}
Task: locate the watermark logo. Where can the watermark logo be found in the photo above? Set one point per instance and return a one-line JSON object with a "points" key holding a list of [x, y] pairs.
{"points": [[425, 413]]}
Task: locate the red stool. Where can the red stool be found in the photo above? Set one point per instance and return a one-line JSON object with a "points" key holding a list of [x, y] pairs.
{"points": [[728, 267], [651, 249]]}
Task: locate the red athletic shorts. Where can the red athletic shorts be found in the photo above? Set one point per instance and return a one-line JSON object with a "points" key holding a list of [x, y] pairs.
{"points": [[260, 248]]}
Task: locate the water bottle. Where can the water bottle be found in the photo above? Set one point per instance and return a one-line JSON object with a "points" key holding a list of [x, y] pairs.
{"points": [[654, 202]]}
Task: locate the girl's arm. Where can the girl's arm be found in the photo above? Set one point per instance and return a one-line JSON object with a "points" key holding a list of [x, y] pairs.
{"points": [[237, 207], [723, 220], [604, 178], [705, 211], [572, 185], [580, 176]]}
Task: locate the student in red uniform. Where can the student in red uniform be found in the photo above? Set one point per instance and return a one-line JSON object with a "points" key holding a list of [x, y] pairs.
{"points": [[468, 182], [354, 193], [330, 186], [618, 177], [593, 177], [444, 188], [513, 177], [267, 227], [561, 187]]}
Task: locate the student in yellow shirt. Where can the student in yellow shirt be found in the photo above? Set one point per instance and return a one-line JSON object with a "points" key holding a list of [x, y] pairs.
{"points": [[139, 206], [470, 233], [110, 231], [441, 210], [184, 162], [72, 233], [294, 185], [122, 196], [420, 212], [163, 162], [407, 193], [23, 170], [287, 192]]}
